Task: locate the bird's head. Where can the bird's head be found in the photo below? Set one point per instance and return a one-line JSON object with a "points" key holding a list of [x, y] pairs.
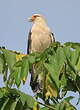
{"points": [[35, 17]]}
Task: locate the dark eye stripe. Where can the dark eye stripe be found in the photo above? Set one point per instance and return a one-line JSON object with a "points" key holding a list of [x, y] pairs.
{"points": [[36, 16]]}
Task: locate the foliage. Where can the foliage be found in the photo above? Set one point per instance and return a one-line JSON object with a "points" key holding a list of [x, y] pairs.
{"points": [[58, 69]]}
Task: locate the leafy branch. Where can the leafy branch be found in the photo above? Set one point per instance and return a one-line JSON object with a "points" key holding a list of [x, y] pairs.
{"points": [[56, 71]]}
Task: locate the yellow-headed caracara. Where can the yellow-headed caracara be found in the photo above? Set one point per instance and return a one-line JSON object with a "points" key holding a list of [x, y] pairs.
{"points": [[40, 37]]}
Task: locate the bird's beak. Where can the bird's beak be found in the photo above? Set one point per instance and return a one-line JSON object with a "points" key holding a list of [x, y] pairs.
{"points": [[30, 19]]}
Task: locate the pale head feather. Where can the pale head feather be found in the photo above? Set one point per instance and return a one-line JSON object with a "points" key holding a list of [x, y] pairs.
{"points": [[36, 18], [38, 22]]}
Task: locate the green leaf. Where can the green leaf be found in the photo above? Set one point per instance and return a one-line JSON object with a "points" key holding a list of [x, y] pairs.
{"points": [[10, 58], [13, 106], [68, 54], [74, 56], [4, 104], [3, 91], [68, 98], [78, 82], [73, 45], [63, 80], [56, 65], [31, 58], [24, 69], [27, 99], [50, 68], [8, 105], [13, 99], [16, 75], [18, 63], [78, 65], [5, 75], [44, 108], [52, 89], [1, 63], [19, 106]]}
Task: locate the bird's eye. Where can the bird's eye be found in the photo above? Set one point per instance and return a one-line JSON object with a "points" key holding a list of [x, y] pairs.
{"points": [[35, 16]]}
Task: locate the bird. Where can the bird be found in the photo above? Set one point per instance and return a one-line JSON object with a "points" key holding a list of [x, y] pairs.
{"points": [[39, 38]]}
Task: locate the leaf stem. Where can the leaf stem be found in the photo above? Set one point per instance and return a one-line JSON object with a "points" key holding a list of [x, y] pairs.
{"points": [[48, 106]]}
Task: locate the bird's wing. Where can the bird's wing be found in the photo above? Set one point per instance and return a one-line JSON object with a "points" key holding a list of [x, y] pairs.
{"points": [[29, 42], [52, 37]]}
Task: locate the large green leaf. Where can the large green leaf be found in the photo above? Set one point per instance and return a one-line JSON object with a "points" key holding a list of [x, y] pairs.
{"points": [[10, 58], [16, 75], [51, 87], [56, 64], [69, 59], [24, 69], [54, 59]]}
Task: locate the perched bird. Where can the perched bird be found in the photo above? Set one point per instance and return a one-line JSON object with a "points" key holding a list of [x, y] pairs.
{"points": [[40, 37]]}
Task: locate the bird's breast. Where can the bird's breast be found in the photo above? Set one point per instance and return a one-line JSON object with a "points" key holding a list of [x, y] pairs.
{"points": [[39, 41]]}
